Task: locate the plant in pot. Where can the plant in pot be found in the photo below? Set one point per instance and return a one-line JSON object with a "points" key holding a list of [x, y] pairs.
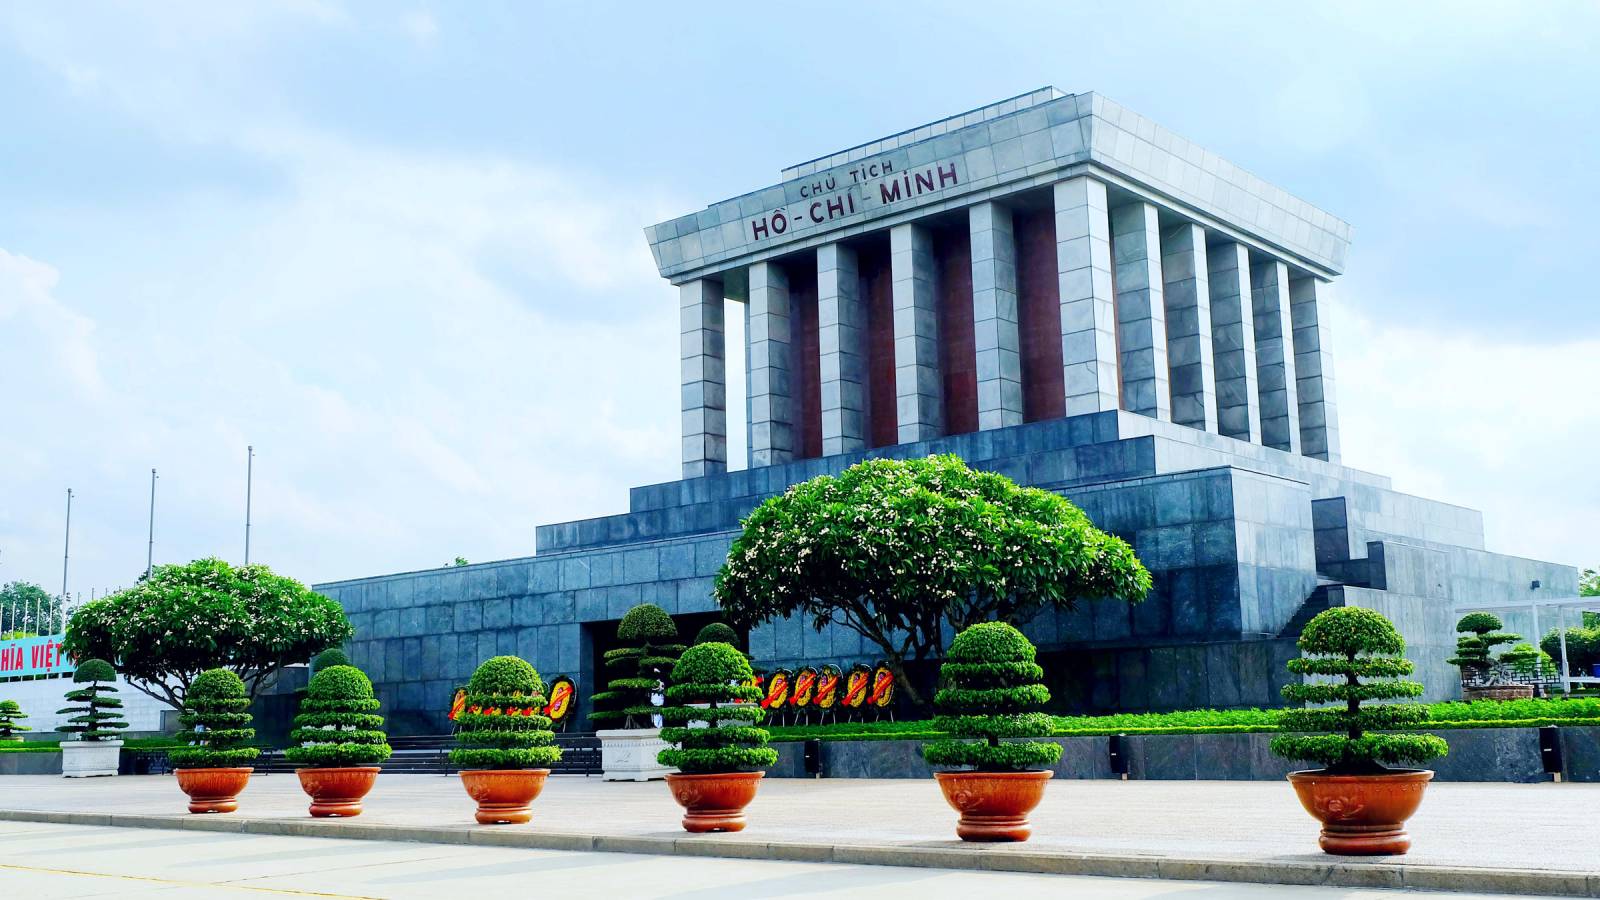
{"points": [[11, 715], [216, 725], [1362, 804], [629, 742], [94, 719], [719, 752], [992, 691], [340, 741], [505, 745], [1482, 674]]}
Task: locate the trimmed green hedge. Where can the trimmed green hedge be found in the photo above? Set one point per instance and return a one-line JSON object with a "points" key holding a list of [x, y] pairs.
{"points": [[504, 726], [992, 693], [338, 724], [726, 738], [216, 724]]}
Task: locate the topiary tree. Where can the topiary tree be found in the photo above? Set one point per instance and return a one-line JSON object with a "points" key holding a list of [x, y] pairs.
{"points": [[216, 723], [10, 715], [93, 717], [327, 659], [640, 667], [244, 618], [1480, 634], [338, 724], [1527, 661], [503, 726], [1363, 648], [896, 550], [716, 675], [992, 691], [717, 633]]}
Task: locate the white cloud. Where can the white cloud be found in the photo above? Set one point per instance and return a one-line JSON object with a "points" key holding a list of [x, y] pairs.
{"points": [[47, 333], [420, 25]]}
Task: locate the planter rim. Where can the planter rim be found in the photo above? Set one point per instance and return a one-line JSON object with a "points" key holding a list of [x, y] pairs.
{"points": [[652, 731], [299, 769], [1039, 774], [501, 771], [695, 776], [114, 742], [216, 769], [1391, 775]]}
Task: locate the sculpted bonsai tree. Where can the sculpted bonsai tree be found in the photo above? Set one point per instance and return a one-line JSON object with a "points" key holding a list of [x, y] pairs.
{"points": [[338, 724], [638, 668], [1480, 634], [216, 724], [185, 619], [1361, 652], [710, 686], [503, 726], [327, 659], [93, 715], [11, 715], [896, 550], [992, 692]]}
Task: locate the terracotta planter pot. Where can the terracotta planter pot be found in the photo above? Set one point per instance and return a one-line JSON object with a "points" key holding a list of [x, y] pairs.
{"points": [[714, 802], [994, 806], [1362, 815], [504, 796], [337, 791], [213, 790]]}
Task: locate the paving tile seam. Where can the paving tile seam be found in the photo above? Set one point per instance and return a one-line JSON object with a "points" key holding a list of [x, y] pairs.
{"points": [[1332, 874]]}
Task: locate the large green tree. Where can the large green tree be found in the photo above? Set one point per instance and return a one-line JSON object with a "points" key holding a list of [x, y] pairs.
{"points": [[185, 619], [1589, 583], [896, 550], [26, 608]]}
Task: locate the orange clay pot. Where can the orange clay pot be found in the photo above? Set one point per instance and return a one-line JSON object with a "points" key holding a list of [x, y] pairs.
{"points": [[213, 790], [715, 801], [994, 806], [504, 796], [337, 791], [1362, 815]]}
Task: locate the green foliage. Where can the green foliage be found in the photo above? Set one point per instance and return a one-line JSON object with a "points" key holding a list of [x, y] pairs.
{"points": [[637, 669], [1480, 634], [1583, 648], [93, 716], [338, 723], [327, 659], [1589, 583], [898, 549], [28, 609], [503, 726], [993, 692], [1353, 642], [185, 619], [216, 723], [11, 715], [717, 632], [707, 677]]}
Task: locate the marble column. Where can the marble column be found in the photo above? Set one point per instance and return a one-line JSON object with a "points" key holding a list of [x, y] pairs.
{"points": [[994, 316], [1187, 291], [1280, 410], [1088, 309], [1233, 341], [919, 400], [703, 360], [771, 380], [1141, 311], [1313, 369], [842, 345]]}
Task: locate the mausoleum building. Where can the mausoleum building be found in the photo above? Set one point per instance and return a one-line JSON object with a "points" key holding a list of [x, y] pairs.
{"points": [[1052, 287]]}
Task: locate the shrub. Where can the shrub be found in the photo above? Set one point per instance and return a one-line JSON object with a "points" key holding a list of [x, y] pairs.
{"points": [[992, 691], [94, 717], [338, 724], [1364, 648], [503, 726], [216, 723], [1583, 648], [1480, 634], [714, 674], [717, 633], [10, 715], [327, 659], [650, 649]]}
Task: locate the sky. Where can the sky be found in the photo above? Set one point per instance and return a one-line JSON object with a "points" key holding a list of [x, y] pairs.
{"points": [[397, 248]]}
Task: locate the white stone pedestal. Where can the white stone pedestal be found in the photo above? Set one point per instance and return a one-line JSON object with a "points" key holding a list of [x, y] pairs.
{"points": [[629, 754], [82, 759]]}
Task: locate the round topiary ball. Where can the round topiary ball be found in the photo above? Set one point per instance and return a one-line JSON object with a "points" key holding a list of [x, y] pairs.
{"points": [[505, 675], [1479, 621], [329, 658], [340, 683], [1350, 630], [216, 684], [719, 633], [646, 622], [991, 642], [94, 670], [713, 663]]}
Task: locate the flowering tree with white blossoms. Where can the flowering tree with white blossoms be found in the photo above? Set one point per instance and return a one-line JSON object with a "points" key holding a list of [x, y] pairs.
{"points": [[896, 550], [207, 614]]}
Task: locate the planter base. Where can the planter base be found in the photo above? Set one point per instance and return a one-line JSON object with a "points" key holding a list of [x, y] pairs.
{"points": [[505, 796], [213, 790], [714, 802], [1362, 815], [86, 759], [337, 791], [1499, 692], [994, 806], [629, 754]]}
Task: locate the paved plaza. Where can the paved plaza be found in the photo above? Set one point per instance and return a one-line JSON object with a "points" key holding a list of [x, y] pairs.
{"points": [[1529, 839]]}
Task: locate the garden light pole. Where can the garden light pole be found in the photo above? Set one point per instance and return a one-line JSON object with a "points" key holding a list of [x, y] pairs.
{"points": [[66, 544], [150, 549], [249, 478]]}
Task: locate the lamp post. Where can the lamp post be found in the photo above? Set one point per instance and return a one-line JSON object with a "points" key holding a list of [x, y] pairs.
{"points": [[249, 478], [150, 549], [66, 550]]}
